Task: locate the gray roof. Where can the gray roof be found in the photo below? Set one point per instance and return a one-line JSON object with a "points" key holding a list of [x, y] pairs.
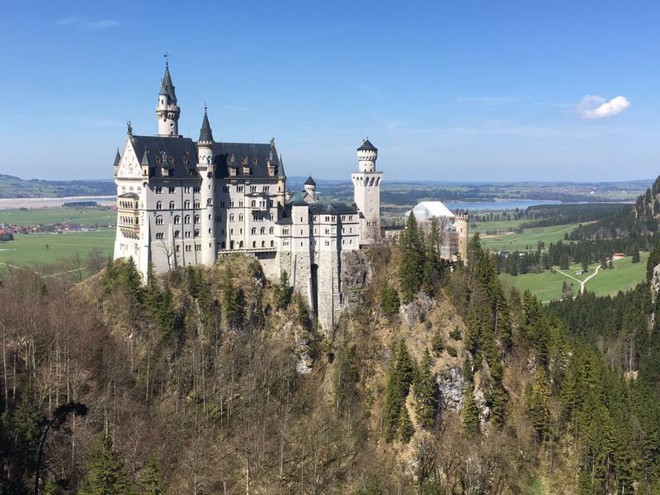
{"points": [[367, 146], [166, 86], [117, 158], [205, 134], [256, 156], [280, 169], [310, 181], [145, 158], [332, 209], [179, 155]]}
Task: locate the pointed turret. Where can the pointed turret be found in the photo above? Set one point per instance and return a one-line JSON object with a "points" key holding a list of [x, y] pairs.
{"points": [[167, 109], [145, 158], [117, 159], [205, 133]]}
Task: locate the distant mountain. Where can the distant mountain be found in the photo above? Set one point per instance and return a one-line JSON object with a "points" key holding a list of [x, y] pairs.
{"points": [[638, 221], [14, 187]]}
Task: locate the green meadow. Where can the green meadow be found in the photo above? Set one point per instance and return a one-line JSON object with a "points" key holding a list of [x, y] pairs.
{"points": [[547, 285], [42, 216], [47, 249], [528, 239]]}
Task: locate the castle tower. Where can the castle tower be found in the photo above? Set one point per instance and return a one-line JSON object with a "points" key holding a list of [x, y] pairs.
{"points": [[461, 222], [206, 169], [281, 184], [310, 190], [366, 192], [167, 109]]}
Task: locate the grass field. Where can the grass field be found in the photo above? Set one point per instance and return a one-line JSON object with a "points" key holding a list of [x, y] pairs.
{"points": [[76, 216], [527, 240], [42, 249], [547, 285]]}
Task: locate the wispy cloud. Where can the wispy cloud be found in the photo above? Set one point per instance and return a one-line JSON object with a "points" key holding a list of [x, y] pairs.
{"points": [[483, 100], [597, 107], [88, 24]]}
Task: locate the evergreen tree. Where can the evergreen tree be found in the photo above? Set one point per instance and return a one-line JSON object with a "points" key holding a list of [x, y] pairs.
{"points": [[470, 412], [411, 265], [406, 429], [389, 300], [152, 480], [104, 472], [432, 260], [426, 398], [283, 291], [635, 254], [400, 376]]}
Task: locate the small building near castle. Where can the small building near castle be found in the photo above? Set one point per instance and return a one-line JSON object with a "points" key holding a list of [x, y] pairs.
{"points": [[453, 227]]}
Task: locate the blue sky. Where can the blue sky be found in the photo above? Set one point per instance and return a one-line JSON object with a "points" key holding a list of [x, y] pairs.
{"points": [[447, 90]]}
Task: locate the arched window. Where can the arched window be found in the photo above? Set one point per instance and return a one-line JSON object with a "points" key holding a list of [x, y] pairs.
{"points": [[186, 219], [177, 234], [254, 203], [159, 205], [159, 220], [240, 217], [263, 243], [196, 232], [254, 244], [186, 204], [272, 243], [271, 230], [263, 230], [171, 205], [196, 219], [209, 201], [177, 219], [254, 230]]}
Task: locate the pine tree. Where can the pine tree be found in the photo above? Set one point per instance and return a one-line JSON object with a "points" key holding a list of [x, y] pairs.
{"points": [[411, 266], [283, 291], [389, 300], [406, 429], [470, 412], [152, 480], [432, 260], [400, 376], [104, 472], [426, 399]]}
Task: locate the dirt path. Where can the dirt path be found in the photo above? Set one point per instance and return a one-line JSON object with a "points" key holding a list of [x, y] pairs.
{"points": [[581, 282]]}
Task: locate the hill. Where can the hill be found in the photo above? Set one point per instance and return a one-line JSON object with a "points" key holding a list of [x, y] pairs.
{"points": [[13, 187], [214, 380]]}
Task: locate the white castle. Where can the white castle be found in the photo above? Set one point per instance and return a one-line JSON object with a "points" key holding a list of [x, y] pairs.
{"points": [[181, 203]]}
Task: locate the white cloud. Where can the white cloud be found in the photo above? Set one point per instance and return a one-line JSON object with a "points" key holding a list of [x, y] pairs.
{"points": [[79, 22], [597, 107]]}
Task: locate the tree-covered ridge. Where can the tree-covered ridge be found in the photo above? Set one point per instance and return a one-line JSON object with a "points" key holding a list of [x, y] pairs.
{"points": [[217, 381], [13, 187]]}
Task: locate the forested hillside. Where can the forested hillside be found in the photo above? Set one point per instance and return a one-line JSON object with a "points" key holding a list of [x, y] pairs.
{"points": [[13, 187], [214, 381]]}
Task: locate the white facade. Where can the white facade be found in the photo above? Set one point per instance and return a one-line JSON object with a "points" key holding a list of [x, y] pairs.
{"points": [[181, 202]]}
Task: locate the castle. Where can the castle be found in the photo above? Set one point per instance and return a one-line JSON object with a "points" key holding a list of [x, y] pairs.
{"points": [[181, 203]]}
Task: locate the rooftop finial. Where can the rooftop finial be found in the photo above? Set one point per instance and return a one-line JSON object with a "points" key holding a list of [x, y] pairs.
{"points": [[167, 62], [129, 128]]}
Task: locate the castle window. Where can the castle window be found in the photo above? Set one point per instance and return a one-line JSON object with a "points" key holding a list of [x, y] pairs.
{"points": [[159, 235], [177, 234], [171, 190], [240, 217], [263, 230], [253, 188], [159, 205], [231, 231], [254, 203], [159, 220], [223, 244], [231, 217], [187, 234], [254, 244], [198, 247], [263, 243], [240, 203], [197, 204], [272, 243], [186, 189], [286, 231], [172, 205], [197, 189], [177, 219], [240, 245], [254, 231], [196, 219], [222, 204], [188, 249], [231, 204], [186, 219], [186, 204], [158, 190], [209, 201], [266, 188], [178, 248], [239, 188], [191, 171], [271, 230], [196, 232]]}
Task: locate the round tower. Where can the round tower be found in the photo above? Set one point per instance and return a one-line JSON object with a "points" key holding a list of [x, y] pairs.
{"points": [[366, 193], [461, 223], [367, 155], [167, 109], [206, 169], [310, 188]]}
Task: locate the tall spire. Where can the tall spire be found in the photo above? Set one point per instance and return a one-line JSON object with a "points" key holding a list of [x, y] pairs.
{"points": [[205, 134], [167, 109]]}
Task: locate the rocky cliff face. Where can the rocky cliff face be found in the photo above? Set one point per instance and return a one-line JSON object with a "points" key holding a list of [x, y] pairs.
{"points": [[355, 273]]}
